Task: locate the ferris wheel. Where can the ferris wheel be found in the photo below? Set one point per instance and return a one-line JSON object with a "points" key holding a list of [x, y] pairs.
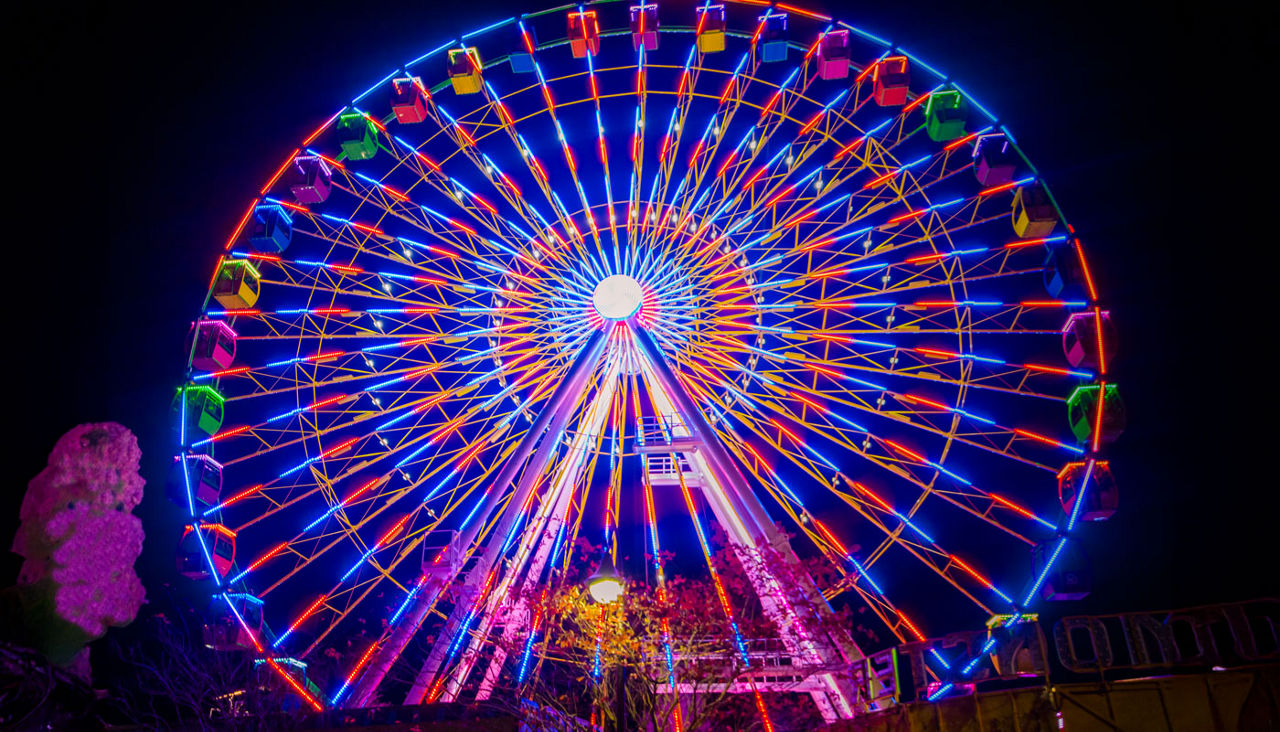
{"points": [[741, 257]]}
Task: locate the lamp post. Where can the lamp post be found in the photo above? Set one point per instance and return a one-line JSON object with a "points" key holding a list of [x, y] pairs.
{"points": [[606, 587]]}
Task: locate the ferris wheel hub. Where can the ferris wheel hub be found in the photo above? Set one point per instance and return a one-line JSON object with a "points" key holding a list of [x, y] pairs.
{"points": [[617, 297]]}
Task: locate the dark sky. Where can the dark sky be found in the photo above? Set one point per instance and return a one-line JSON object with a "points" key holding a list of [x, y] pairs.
{"points": [[139, 134]]}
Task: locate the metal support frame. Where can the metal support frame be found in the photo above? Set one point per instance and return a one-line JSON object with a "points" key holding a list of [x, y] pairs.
{"points": [[552, 420], [532, 553], [736, 506], [837, 696]]}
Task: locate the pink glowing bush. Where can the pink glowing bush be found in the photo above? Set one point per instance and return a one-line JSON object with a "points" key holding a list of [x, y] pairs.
{"points": [[80, 539]]}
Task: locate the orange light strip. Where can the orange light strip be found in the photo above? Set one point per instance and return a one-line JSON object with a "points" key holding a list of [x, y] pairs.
{"points": [[240, 227], [918, 101], [284, 166]]}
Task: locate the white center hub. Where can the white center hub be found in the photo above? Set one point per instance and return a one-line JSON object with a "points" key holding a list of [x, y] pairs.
{"points": [[618, 297]]}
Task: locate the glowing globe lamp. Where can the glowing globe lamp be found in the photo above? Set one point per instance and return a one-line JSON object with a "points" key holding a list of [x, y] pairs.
{"points": [[605, 585]]}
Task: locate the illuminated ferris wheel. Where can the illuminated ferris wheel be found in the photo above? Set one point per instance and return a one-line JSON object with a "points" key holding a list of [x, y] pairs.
{"points": [[741, 258]]}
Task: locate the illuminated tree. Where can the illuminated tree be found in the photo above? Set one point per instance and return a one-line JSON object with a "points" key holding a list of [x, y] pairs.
{"points": [[596, 662]]}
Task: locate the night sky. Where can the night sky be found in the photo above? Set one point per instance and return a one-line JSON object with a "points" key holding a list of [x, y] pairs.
{"points": [[139, 135]]}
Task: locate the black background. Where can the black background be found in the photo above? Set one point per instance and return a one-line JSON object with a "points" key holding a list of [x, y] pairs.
{"points": [[137, 137]]}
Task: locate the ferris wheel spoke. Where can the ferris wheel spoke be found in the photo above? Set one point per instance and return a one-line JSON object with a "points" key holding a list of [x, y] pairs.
{"points": [[389, 202], [265, 388], [631, 256], [842, 284], [960, 493], [872, 507], [307, 558], [346, 322], [855, 573], [455, 395], [699, 160], [852, 296], [876, 183], [772, 121], [310, 432], [410, 338], [756, 201], [743, 164], [920, 364], [533, 165], [571, 164], [843, 212], [807, 248], [354, 602], [379, 283], [470, 451], [789, 363], [945, 565], [914, 412], [322, 483], [342, 367], [476, 207], [666, 152], [965, 496], [481, 264], [387, 205], [602, 149], [763, 189], [406, 551], [327, 600], [480, 209]]}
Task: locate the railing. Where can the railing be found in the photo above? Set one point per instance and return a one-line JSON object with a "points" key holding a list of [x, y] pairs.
{"points": [[663, 470], [441, 555], [658, 431], [762, 652]]}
